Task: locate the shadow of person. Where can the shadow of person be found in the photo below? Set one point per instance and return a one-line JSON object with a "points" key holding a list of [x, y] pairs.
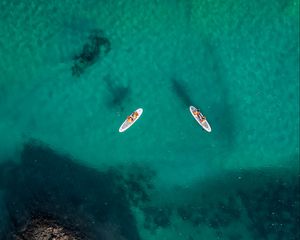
{"points": [[118, 93], [181, 92], [224, 113], [222, 117]]}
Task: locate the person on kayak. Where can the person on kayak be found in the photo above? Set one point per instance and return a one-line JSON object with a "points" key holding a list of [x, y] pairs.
{"points": [[135, 115], [202, 118], [199, 115], [130, 119]]}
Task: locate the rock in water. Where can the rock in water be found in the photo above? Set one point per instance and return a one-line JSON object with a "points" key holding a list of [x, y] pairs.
{"points": [[45, 229]]}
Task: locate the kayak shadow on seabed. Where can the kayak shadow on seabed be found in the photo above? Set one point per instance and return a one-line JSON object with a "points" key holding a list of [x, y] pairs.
{"points": [[222, 117], [181, 92], [225, 123], [48, 191], [118, 93]]}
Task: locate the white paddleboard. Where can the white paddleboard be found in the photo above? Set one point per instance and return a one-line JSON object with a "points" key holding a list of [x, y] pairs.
{"points": [[204, 123], [125, 125]]}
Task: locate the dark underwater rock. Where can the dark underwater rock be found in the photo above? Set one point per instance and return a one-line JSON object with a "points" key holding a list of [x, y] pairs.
{"points": [[97, 47], [46, 229]]}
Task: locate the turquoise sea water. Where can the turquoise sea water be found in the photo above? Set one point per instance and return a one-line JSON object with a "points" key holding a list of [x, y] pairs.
{"points": [[238, 61]]}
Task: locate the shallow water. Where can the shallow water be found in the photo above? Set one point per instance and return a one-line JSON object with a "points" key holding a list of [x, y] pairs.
{"points": [[237, 61]]}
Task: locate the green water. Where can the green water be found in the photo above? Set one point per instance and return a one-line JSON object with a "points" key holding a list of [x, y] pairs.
{"points": [[238, 61]]}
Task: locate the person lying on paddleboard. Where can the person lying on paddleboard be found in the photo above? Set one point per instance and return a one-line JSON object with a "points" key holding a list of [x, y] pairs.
{"points": [[199, 115], [129, 119], [133, 117]]}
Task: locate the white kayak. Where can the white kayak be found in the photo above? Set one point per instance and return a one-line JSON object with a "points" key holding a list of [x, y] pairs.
{"points": [[204, 123], [126, 124]]}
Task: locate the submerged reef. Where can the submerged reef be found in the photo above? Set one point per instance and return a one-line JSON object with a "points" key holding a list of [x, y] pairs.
{"points": [[264, 203], [136, 183], [49, 194], [157, 217], [261, 204], [274, 210], [97, 46]]}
